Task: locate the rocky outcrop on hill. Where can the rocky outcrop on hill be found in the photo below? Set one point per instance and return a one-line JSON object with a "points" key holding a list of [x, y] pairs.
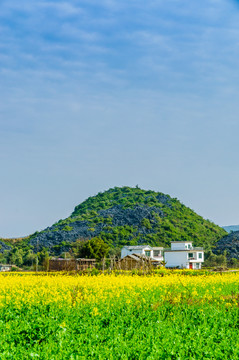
{"points": [[4, 247], [230, 243], [134, 217], [124, 216], [117, 216]]}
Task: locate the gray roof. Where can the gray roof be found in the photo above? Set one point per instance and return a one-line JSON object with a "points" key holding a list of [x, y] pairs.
{"points": [[5, 265], [137, 247], [132, 256], [175, 242], [138, 257]]}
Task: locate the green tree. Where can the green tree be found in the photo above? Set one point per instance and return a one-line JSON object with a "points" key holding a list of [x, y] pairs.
{"points": [[16, 257], [94, 248], [43, 257], [234, 263], [146, 223], [116, 251], [29, 258], [215, 260], [221, 260], [4, 257]]}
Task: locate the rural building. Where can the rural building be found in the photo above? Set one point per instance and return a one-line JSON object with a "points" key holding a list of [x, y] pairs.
{"points": [[154, 253], [60, 264], [136, 261], [5, 267], [183, 255], [83, 264]]}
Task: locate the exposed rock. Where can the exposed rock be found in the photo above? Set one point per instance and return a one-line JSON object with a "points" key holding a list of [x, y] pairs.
{"points": [[230, 243], [53, 236], [126, 215], [4, 247], [134, 217]]}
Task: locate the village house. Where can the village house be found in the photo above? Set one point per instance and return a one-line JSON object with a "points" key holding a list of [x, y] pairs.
{"points": [[154, 253], [5, 267], [136, 261], [183, 255]]}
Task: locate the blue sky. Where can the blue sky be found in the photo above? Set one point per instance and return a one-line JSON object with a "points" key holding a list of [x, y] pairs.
{"points": [[101, 94]]}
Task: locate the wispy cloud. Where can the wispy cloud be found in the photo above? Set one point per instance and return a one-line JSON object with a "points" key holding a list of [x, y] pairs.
{"points": [[80, 77], [62, 8]]}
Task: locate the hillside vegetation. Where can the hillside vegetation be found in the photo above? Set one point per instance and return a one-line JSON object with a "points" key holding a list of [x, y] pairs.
{"points": [[129, 216], [229, 244]]}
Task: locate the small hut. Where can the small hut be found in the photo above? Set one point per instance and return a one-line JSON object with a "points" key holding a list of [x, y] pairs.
{"points": [[60, 264], [135, 261], [84, 264]]}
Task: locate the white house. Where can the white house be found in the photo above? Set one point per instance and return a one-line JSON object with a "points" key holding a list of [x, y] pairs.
{"points": [[5, 267], [183, 255], [154, 253]]}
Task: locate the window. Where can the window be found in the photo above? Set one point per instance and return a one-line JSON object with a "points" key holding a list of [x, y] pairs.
{"points": [[157, 252], [190, 255], [200, 255], [147, 252], [197, 266]]}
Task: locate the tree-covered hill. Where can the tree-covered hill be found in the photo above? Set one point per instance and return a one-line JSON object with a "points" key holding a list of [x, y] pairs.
{"points": [[129, 216]]}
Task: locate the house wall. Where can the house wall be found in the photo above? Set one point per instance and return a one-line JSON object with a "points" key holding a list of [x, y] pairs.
{"points": [[197, 267], [5, 268], [180, 246], [158, 257], [181, 259], [177, 258], [125, 251], [196, 256]]}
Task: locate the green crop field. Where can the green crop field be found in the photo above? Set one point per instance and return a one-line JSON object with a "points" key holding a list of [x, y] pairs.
{"points": [[161, 316]]}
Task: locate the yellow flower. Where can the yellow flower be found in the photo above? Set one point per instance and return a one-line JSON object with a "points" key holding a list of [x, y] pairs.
{"points": [[95, 312]]}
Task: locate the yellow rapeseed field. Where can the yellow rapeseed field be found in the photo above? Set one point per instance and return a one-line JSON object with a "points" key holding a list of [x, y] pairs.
{"points": [[68, 290], [169, 315]]}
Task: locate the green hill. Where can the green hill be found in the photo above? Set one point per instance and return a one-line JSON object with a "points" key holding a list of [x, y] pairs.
{"points": [[129, 216]]}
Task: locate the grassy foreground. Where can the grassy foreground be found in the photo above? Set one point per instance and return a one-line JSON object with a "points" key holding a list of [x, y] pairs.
{"points": [[173, 316]]}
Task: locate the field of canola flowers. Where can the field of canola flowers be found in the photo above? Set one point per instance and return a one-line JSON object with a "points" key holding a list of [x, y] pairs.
{"points": [[160, 316]]}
